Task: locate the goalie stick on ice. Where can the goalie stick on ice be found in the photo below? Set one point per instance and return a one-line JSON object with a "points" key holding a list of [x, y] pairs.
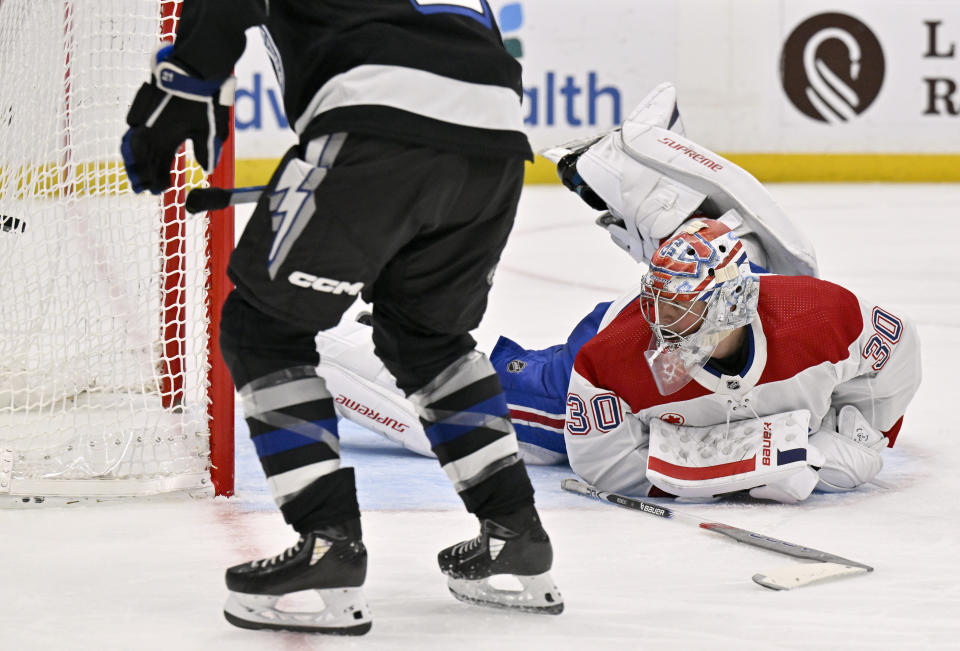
{"points": [[826, 566]]}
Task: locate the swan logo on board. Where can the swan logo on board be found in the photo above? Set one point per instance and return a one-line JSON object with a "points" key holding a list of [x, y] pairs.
{"points": [[832, 67]]}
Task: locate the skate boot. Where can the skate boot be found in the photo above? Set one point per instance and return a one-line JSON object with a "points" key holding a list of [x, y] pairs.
{"points": [[513, 545], [331, 561]]}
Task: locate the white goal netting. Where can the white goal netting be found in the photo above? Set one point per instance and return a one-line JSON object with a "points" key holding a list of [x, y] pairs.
{"points": [[103, 293]]}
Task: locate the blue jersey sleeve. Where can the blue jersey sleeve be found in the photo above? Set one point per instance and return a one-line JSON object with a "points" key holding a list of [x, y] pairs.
{"points": [[535, 381]]}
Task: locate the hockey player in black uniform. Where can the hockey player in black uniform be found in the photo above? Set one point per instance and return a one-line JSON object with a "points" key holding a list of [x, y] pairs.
{"points": [[402, 189]]}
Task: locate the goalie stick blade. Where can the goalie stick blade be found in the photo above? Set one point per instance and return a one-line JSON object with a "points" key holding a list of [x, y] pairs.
{"points": [[802, 574]]}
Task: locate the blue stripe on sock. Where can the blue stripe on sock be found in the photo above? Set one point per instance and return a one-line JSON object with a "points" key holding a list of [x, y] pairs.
{"points": [[444, 432], [281, 440]]}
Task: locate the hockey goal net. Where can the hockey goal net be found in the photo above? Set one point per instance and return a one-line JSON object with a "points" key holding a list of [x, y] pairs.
{"points": [[110, 380]]}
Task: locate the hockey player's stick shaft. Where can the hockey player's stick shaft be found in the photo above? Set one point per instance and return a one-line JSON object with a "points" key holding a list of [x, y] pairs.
{"points": [[204, 199], [741, 535]]}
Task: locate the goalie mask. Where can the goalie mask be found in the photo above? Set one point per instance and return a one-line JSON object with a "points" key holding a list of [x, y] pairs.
{"points": [[698, 289]]}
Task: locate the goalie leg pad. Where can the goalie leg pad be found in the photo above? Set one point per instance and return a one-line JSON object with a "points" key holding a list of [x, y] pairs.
{"points": [[654, 178], [364, 391]]}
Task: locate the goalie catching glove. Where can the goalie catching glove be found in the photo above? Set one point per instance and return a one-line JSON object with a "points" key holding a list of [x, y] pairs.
{"points": [[173, 107]]}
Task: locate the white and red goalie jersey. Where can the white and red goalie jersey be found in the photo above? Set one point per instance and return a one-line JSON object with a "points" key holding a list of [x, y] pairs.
{"points": [[814, 345]]}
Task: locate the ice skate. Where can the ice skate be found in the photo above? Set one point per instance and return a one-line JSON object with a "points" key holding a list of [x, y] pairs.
{"points": [[511, 546], [332, 562]]}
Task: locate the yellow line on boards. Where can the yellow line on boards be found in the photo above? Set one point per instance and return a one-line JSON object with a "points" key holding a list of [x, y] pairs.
{"points": [[820, 168], [99, 179]]}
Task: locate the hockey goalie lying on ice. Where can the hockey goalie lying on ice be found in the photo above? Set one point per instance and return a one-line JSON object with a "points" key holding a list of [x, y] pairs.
{"points": [[712, 376]]}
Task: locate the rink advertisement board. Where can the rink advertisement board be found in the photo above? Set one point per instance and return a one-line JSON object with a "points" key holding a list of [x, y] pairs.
{"points": [[790, 89]]}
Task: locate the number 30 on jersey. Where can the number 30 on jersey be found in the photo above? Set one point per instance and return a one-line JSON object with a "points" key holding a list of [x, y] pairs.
{"points": [[886, 333], [602, 413]]}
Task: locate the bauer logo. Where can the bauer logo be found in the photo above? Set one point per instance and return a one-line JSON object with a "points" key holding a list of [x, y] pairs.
{"points": [[832, 67]]}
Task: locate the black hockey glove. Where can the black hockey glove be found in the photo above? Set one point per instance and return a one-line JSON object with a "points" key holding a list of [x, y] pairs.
{"points": [[571, 179], [171, 108]]}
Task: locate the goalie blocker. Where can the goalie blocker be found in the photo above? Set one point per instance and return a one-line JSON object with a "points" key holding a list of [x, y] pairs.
{"points": [[770, 456]]}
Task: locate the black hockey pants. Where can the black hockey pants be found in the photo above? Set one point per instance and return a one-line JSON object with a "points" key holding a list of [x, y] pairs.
{"points": [[417, 232]]}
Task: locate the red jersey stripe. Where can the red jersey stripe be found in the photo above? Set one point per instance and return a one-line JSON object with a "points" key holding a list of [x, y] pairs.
{"points": [[530, 417]]}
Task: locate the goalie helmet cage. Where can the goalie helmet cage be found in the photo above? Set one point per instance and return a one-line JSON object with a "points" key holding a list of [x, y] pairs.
{"points": [[111, 380]]}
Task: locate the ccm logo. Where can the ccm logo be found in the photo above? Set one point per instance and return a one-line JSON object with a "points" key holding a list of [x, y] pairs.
{"points": [[328, 285]]}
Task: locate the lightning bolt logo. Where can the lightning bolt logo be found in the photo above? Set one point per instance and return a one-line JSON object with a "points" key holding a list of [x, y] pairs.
{"points": [[292, 206]]}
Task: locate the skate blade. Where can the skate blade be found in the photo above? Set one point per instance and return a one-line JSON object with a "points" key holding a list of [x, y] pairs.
{"points": [[345, 613], [538, 594]]}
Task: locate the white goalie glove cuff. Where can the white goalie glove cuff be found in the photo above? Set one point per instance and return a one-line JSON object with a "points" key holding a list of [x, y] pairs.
{"points": [[851, 451]]}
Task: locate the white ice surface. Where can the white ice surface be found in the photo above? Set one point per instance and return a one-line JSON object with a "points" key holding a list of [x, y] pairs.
{"points": [[148, 575]]}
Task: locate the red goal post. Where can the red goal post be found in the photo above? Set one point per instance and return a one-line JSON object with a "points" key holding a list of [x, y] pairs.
{"points": [[220, 245]]}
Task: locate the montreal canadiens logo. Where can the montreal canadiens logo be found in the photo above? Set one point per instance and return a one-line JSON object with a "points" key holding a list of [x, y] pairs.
{"points": [[673, 418]]}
